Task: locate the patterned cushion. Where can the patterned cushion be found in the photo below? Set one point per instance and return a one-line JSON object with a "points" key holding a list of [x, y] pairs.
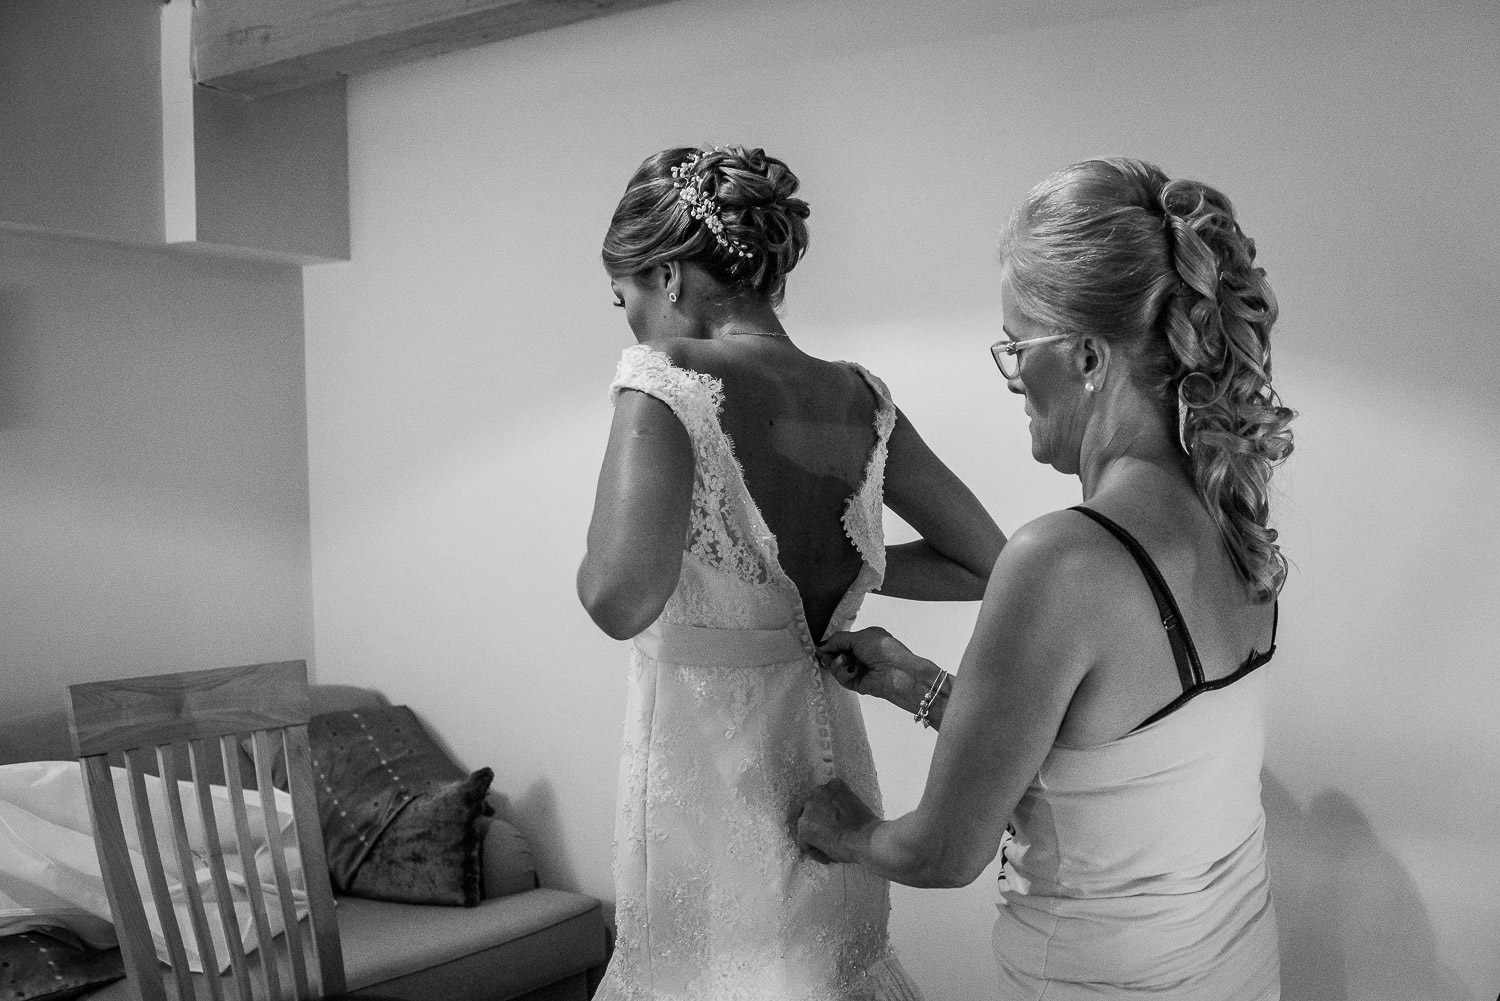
{"points": [[38, 966], [400, 818]]}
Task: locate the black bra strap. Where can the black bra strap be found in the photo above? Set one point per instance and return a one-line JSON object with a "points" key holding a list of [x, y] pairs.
{"points": [[1189, 668]]}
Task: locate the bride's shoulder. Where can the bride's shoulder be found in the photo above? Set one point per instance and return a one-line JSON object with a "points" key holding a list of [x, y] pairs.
{"points": [[678, 355], [705, 361], [661, 371], [652, 361], [862, 376]]}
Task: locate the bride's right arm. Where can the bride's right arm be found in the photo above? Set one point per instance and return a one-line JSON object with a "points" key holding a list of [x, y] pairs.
{"points": [[959, 540], [640, 518]]}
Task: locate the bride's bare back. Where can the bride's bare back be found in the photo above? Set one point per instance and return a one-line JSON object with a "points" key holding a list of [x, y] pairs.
{"points": [[803, 430]]}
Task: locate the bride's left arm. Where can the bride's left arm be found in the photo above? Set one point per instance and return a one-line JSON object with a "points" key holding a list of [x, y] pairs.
{"points": [[641, 509], [959, 540]]}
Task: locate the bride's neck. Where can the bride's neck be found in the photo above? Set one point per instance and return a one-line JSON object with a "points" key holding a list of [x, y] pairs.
{"points": [[741, 315]]}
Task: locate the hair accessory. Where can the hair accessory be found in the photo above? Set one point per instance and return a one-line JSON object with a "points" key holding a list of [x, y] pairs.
{"points": [[1182, 416], [1186, 406], [924, 709], [701, 205]]}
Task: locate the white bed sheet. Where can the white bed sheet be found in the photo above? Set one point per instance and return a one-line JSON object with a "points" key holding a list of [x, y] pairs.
{"points": [[49, 871]]}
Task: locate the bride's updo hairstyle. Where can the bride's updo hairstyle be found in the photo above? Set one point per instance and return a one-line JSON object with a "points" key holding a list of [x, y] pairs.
{"points": [[729, 209], [1160, 269]]}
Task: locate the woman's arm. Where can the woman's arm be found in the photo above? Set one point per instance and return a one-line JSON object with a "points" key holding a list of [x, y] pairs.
{"points": [[873, 662], [959, 540], [1030, 651], [640, 517]]}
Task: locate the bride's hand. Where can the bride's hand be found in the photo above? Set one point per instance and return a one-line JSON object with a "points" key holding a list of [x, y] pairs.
{"points": [[873, 662], [834, 822]]}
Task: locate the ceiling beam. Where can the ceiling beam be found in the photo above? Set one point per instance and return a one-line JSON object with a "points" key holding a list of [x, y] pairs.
{"points": [[260, 47]]}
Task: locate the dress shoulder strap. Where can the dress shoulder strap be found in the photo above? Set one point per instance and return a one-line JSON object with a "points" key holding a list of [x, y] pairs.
{"points": [[695, 397], [1189, 667], [864, 511]]}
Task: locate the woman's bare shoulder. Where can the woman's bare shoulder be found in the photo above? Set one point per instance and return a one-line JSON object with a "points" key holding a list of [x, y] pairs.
{"points": [[1056, 535], [680, 352], [1063, 553], [705, 356]]}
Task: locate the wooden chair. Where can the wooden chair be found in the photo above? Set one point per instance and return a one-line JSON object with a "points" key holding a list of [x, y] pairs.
{"points": [[181, 727]]}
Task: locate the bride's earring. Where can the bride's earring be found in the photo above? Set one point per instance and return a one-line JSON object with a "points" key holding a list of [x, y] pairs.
{"points": [[671, 296]]}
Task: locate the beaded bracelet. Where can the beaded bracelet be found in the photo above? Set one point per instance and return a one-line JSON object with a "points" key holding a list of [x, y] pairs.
{"points": [[924, 710]]}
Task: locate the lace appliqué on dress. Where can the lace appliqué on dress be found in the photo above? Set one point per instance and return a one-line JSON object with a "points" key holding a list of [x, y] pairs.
{"points": [[715, 534], [862, 514]]}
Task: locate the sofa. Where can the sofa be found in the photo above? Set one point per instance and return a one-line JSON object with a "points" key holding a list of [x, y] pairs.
{"points": [[522, 942]]}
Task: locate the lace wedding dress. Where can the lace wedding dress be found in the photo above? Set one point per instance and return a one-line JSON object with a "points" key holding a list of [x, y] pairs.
{"points": [[729, 725]]}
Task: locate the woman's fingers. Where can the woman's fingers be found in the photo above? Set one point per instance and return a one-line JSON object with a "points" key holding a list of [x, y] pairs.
{"points": [[817, 826], [846, 668]]}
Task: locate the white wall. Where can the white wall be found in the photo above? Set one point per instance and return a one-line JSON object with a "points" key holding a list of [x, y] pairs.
{"points": [[153, 472], [457, 410]]}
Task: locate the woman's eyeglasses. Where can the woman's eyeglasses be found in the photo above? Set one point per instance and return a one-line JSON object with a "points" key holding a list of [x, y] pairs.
{"points": [[1007, 353]]}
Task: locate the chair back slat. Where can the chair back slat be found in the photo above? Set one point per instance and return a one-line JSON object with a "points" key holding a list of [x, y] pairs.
{"points": [[267, 748], [194, 722], [170, 709], [320, 913], [134, 934], [145, 827], [234, 778], [187, 866], [228, 921]]}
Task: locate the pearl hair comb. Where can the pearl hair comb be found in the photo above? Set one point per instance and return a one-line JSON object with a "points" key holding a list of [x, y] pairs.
{"points": [[701, 205]]}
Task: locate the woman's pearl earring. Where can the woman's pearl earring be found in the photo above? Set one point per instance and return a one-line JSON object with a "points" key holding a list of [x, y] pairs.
{"points": [[1089, 386]]}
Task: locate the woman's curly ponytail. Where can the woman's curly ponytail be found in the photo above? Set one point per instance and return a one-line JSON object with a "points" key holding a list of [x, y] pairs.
{"points": [[1113, 248], [1230, 419]]}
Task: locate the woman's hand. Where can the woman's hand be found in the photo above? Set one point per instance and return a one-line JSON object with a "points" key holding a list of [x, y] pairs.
{"points": [[834, 823], [873, 662]]}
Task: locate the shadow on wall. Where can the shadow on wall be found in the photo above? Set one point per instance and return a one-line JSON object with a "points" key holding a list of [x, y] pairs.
{"points": [[534, 812], [1353, 925]]}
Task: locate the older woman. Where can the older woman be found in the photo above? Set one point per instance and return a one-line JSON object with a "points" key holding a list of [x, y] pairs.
{"points": [[1109, 708]]}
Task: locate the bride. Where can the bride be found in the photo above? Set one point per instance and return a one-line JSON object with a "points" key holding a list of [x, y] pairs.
{"points": [[737, 523]]}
